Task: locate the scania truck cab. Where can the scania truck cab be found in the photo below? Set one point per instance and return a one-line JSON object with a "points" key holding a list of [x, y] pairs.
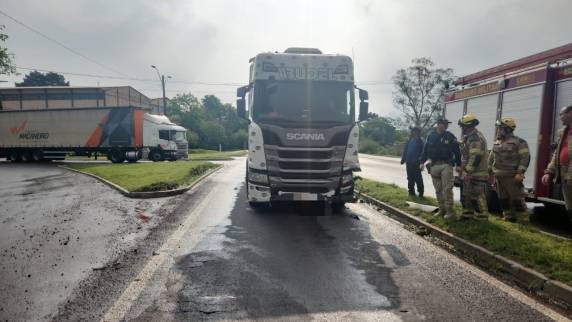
{"points": [[303, 134]]}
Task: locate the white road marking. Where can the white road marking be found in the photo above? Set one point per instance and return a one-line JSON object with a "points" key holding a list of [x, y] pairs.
{"points": [[132, 292]]}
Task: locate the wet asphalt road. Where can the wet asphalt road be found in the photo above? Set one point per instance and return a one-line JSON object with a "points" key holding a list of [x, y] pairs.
{"points": [[56, 227], [389, 170], [208, 256]]}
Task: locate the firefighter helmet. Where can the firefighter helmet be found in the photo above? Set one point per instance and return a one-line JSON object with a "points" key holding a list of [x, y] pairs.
{"points": [[507, 121], [468, 120]]}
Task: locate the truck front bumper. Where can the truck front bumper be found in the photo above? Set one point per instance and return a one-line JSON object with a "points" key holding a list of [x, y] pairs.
{"points": [[260, 193]]}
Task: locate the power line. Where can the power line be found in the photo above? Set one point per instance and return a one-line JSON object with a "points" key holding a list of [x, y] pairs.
{"points": [[130, 78], [61, 44], [88, 75]]}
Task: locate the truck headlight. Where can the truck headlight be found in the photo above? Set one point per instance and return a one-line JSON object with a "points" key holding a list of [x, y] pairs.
{"points": [[258, 177], [347, 179]]}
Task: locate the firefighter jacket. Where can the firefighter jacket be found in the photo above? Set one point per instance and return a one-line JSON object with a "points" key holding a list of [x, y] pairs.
{"points": [[473, 155], [509, 156], [554, 165]]}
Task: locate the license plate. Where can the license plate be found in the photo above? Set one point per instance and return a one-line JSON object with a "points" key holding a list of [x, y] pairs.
{"points": [[302, 196]]}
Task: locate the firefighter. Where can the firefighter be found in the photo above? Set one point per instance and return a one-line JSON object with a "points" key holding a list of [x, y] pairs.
{"points": [[442, 150], [473, 169], [508, 161], [559, 169]]}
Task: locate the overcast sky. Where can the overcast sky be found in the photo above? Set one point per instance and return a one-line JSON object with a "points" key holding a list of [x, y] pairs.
{"points": [[211, 40]]}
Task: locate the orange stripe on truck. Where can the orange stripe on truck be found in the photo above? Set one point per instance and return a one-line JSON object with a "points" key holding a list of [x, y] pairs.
{"points": [[95, 138], [138, 116]]}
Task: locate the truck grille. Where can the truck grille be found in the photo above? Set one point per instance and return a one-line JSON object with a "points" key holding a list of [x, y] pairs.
{"points": [[293, 169], [182, 151]]}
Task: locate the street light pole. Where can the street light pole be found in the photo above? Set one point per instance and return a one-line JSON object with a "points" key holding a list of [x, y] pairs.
{"points": [[162, 78], [164, 97]]}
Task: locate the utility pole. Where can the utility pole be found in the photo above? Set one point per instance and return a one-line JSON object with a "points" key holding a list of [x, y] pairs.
{"points": [[164, 97], [162, 78]]}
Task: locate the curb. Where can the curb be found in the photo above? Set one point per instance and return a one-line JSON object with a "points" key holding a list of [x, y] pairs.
{"points": [[533, 281], [150, 194]]}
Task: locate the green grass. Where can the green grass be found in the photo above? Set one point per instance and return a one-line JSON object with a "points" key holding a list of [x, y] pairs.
{"points": [[522, 243], [156, 176], [200, 154]]}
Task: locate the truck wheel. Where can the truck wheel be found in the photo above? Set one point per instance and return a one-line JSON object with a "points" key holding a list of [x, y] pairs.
{"points": [[117, 156], [155, 156], [259, 205], [338, 206], [15, 156], [26, 156], [38, 156]]}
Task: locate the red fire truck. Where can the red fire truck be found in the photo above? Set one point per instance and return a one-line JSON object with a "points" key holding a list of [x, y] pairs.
{"points": [[531, 90]]}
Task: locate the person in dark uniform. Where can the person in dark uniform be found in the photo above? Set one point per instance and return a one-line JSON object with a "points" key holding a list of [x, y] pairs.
{"points": [[410, 156], [442, 152]]}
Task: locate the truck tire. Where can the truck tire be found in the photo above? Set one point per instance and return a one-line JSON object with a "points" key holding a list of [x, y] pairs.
{"points": [[259, 205], [155, 156], [338, 206], [38, 155], [14, 156], [26, 156], [117, 156]]}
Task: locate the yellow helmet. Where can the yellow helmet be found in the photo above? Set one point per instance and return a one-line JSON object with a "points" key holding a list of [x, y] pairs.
{"points": [[507, 121], [468, 120]]}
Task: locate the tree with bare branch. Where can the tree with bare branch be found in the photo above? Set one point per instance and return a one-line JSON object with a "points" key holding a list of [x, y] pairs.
{"points": [[419, 92]]}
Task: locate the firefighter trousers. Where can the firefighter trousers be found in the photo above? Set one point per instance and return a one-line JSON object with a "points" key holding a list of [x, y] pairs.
{"points": [[474, 197], [511, 196], [442, 176]]}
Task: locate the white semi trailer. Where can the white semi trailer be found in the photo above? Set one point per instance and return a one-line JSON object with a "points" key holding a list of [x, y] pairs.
{"points": [[303, 134], [122, 133]]}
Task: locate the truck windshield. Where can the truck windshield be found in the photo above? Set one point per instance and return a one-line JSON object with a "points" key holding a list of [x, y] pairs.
{"points": [[303, 102], [179, 136]]}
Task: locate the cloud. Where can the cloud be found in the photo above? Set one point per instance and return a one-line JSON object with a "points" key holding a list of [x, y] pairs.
{"points": [[213, 40]]}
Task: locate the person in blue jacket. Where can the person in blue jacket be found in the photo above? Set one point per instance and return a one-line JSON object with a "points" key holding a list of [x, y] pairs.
{"points": [[410, 156]]}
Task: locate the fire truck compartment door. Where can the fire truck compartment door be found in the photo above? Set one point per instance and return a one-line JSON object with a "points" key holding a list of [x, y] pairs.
{"points": [[563, 98], [453, 112], [524, 106], [485, 109]]}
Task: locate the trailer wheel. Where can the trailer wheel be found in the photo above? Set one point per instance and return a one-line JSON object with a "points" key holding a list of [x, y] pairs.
{"points": [[14, 156], [38, 156], [117, 156], [26, 156], [156, 156]]}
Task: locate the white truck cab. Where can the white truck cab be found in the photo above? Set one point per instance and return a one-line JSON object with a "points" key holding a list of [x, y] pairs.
{"points": [[167, 141], [303, 134]]}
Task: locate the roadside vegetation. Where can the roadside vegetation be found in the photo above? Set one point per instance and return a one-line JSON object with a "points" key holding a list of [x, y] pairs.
{"points": [[143, 177], [212, 155], [520, 242]]}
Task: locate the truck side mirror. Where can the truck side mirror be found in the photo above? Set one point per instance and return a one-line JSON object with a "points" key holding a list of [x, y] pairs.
{"points": [[363, 111], [241, 91], [241, 108], [363, 95]]}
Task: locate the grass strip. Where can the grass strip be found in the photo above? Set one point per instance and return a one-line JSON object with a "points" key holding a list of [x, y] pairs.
{"points": [[520, 242], [145, 177], [212, 155]]}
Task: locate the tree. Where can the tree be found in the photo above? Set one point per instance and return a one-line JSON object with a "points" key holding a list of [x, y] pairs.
{"points": [[419, 91], [380, 130], [36, 78], [7, 66]]}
